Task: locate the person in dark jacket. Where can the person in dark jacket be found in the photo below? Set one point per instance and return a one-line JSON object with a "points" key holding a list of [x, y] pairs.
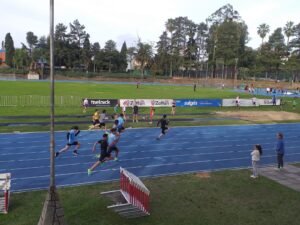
{"points": [[280, 150]]}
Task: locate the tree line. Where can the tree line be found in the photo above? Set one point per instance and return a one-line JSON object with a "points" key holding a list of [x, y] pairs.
{"points": [[217, 46]]}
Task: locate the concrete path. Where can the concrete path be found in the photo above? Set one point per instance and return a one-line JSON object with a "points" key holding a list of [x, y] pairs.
{"points": [[289, 176]]}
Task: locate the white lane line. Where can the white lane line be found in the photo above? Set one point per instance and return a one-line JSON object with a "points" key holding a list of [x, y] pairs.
{"points": [[149, 166]]}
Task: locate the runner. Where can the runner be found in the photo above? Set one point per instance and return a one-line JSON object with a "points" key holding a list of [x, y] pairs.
{"points": [[237, 101], [113, 139], [95, 118], [104, 156], [163, 122], [72, 140]]}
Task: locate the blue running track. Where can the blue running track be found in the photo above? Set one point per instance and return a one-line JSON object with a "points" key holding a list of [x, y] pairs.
{"points": [[182, 150]]}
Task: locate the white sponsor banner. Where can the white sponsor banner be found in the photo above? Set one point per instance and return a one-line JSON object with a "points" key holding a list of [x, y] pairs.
{"points": [[33, 77], [146, 102], [249, 102]]}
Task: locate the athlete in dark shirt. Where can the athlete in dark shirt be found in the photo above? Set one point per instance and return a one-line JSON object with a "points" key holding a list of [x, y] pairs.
{"points": [[163, 122], [104, 156], [135, 113]]}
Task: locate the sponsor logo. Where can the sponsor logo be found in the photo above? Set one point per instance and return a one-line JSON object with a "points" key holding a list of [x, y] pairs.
{"points": [[100, 102]]}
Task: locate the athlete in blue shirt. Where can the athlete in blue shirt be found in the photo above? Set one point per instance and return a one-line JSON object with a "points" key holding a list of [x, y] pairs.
{"points": [[72, 140], [121, 122], [280, 150], [113, 139]]}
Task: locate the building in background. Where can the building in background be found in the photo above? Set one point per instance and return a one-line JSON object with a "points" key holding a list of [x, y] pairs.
{"points": [[2, 56]]}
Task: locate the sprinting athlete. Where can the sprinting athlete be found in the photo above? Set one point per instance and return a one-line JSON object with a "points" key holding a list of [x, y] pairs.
{"points": [[95, 118], [72, 140], [113, 139], [104, 156], [163, 122]]}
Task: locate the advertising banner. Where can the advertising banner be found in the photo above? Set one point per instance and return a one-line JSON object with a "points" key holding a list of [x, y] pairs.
{"points": [[249, 102], [146, 102], [199, 102], [101, 102]]}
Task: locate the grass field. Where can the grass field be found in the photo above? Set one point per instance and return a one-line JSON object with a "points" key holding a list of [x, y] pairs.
{"points": [[113, 91], [226, 198]]}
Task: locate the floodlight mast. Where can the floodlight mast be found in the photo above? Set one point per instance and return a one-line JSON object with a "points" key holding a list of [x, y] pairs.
{"points": [[52, 141]]}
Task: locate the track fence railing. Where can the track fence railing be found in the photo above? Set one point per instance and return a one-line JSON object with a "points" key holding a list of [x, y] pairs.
{"points": [[39, 101]]}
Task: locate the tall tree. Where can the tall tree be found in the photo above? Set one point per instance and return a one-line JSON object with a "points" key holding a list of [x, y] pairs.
{"points": [[87, 52], [289, 31], [123, 57], [144, 55], [170, 27], [10, 49], [21, 58], [77, 33], [32, 40], [111, 54], [262, 31], [163, 53]]}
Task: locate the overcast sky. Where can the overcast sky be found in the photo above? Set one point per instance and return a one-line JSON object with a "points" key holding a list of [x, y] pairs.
{"points": [[125, 20]]}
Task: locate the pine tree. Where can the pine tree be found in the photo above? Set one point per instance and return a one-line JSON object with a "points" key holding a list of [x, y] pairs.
{"points": [[10, 49]]}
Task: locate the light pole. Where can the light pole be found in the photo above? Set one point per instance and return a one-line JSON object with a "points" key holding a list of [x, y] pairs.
{"points": [[52, 213], [235, 73]]}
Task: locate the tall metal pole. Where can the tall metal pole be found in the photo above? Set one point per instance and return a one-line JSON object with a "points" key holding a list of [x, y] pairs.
{"points": [[52, 142]]}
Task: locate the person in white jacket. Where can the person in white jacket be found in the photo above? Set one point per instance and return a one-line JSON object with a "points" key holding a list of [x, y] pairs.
{"points": [[256, 153]]}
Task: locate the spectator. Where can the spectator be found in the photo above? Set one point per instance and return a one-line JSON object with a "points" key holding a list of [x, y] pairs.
{"points": [[280, 150], [255, 155]]}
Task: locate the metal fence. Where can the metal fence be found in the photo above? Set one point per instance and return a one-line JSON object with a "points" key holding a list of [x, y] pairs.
{"points": [[39, 101]]}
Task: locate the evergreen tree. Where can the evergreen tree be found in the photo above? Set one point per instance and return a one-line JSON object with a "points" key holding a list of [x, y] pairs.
{"points": [[10, 49], [123, 57]]}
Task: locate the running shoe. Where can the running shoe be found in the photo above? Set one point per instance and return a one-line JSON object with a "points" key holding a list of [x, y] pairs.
{"points": [[90, 172], [116, 159], [97, 156], [56, 154], [75, 153]]}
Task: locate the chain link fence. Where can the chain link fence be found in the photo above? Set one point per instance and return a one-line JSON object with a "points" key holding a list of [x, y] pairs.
{"points": [[39, 101]]}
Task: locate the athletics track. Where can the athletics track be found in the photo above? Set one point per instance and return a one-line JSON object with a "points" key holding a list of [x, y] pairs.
{"points": [[182, 150]]}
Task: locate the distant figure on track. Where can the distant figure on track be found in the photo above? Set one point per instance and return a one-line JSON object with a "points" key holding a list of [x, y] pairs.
{"points": [[135, 113], [152, 111], [163, 122], [173, 108], [72, 140], [195, 86]]}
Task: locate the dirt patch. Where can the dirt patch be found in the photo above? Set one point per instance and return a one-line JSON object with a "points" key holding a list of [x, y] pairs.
{"points": [[203, 175], [261, 115]]}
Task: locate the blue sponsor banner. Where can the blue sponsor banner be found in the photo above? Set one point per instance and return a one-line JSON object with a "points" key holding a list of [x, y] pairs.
{"points": [[199, 102]]}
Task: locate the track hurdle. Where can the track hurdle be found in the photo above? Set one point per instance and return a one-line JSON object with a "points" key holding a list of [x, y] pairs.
{"points": [[4, 192], [132, 200]]}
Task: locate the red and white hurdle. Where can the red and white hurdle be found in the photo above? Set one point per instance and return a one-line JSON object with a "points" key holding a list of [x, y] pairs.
{"points": [[4, 192], [132, 200]]}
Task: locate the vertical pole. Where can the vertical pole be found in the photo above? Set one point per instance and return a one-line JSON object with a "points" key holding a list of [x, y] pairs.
{"points": [[52, 162]]}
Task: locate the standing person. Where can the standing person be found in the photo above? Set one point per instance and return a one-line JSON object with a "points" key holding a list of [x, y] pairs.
{"points": [[137, 84], [163, 122], [72, 140], [121, 121], [135, 113], [256, 153], [124, 111], [274, 100], [280, 151], [294, 103], [85, 104], [195, 86], [104, 156], [102, 119], [152, 111], [115, 111], [237, 101], [173, 108]]}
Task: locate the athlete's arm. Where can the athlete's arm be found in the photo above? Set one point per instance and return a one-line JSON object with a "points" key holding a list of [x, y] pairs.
{"points": [[94, 147]]}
